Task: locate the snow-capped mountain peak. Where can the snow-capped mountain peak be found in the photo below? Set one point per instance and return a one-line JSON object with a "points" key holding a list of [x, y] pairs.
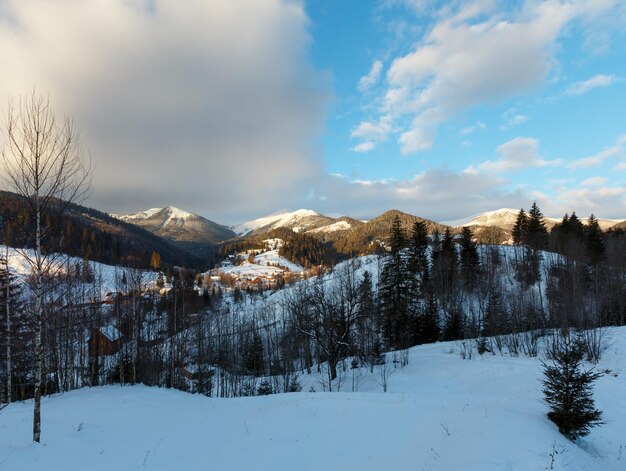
{"points": [[299, 220], [177, 224]]}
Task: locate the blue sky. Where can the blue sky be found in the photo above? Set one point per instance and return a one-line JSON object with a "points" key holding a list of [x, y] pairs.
{"points": [[235, 110], [572, 108]]}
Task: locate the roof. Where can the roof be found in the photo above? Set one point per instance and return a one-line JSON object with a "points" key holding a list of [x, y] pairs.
{"points": [[110, 332]]}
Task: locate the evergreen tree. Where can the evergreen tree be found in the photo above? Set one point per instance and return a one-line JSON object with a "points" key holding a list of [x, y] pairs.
{"points": [[594, 241], [253, 356], [495, 319], [576, 228], [427, 324], [453, 324], [469, 256], [536, 234], [519, 229], [568, 390], [418, 264], [394, 289]]}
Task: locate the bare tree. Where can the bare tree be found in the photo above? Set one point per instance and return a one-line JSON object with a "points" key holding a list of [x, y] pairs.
{"points": [[44, 163]]}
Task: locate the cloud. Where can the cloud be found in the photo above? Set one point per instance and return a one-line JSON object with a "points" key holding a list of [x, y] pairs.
{"points": [[517, 154], [466, 131], [472, 56], [512, 118], [597, 81], [201, 104], [594, 181], [437, 194], [606, 202], [597, 159], [373, 76], [364, 147]]}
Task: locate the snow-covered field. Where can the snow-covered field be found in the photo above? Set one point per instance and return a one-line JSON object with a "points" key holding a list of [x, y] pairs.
{"points": [[440, 413]]}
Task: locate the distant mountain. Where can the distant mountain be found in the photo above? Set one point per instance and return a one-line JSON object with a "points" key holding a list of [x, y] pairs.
{"points": [[505, 219], [177, 225], [302, 220]]}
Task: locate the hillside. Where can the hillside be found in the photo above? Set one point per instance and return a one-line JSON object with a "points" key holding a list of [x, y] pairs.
{"points": [[301, 220], [361, 238], [86, 232], [440, 413]]}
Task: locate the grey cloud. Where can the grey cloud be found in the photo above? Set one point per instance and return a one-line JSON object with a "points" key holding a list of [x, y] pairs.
{"points": [[205, 105]]}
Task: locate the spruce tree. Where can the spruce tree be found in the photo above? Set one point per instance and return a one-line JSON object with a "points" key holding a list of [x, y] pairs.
{"points": [[470, 260], [594, 241], [568, 390], [519, 229], [394, 288], [427, 324], [536, 233], [418, 258]]}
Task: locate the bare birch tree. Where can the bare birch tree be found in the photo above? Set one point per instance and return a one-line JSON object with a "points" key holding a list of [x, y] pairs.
{"points": [[44, 163]]}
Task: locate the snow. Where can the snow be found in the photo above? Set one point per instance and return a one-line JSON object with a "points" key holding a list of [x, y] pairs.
{"points": [[266, 264], [506, 217], [499, 217], [336, 226], [107, 277], [275, 221], [173, 214], [440, 413], [140, 215], [111, 332]]}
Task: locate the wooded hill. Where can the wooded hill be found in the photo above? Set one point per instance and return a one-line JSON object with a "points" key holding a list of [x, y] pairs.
{"points": [[88, 233]]}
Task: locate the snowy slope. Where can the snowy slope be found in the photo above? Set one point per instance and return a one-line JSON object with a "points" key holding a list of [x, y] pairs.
{"points": [[298, 221], [336, 226], [505, 218], [440, 413], [107, 277], [266, 264]]}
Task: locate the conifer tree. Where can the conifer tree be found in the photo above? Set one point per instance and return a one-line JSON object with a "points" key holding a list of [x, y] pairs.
{"points": [[394, 288], [470, 260], [419, 267], [519, 229], [594, 241], [427, 325], [568, 390], [536, 232], [453, 324]]}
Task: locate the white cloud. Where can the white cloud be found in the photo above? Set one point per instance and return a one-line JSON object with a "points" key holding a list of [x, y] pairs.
{"points": [[373, 131], [373, 76], [512, 118], [517, 154], [364, 147], [594, 181], [607, 202], [474, 127], [199, 104], [437, 194], [473, 56], [597, 81], [597, 159]]}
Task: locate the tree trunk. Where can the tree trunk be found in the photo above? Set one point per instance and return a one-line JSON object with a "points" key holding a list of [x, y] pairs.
{"points": [[38, 326], [8, 328]]}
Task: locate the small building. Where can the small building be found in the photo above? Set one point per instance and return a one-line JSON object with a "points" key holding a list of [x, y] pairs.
{"points": [[107, 340]]}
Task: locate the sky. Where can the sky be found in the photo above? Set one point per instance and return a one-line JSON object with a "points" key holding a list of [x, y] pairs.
{"points": [[235, 110]]}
